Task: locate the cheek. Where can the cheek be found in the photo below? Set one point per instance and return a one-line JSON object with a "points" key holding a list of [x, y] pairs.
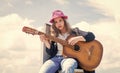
{"points": [[63, 24], [56, 26]]}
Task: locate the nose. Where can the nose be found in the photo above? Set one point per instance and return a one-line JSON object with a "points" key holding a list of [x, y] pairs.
{"points": [[58, 23]]}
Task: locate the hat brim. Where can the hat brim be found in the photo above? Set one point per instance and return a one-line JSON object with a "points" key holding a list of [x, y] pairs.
{"points": [[52, 20]]}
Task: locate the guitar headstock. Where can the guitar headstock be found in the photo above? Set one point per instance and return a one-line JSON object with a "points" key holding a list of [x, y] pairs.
{"points": [[30, 30]]}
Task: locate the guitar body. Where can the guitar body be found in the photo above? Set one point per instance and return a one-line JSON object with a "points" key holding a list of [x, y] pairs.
{"points": [[88, 54]]}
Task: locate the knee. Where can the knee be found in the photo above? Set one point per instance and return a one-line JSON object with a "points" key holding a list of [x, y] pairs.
{"points": [[69, 63], [45, 66], [68, 69]]}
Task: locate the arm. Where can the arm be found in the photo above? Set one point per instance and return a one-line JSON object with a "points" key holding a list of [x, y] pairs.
{"points": [[53, 49], [81, 36], [88, 36]]}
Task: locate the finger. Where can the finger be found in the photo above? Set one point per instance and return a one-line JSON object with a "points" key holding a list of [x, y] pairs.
{"points": [[70, 40], [42, 38], [74, 42]]}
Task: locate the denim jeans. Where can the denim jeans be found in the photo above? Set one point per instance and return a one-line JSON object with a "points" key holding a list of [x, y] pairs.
{"points": [[52, 65]]}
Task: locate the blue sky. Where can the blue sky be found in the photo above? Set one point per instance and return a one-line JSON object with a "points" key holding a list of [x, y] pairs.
{"points": [[21, 53]]}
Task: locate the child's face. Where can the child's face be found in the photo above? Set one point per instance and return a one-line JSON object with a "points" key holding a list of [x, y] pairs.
{"points": [[59, 23]]}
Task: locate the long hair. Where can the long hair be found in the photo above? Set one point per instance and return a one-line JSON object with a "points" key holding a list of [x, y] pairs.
{"points": [[66, 25]]}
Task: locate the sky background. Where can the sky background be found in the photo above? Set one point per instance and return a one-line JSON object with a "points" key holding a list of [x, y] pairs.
{"points": [[21, 53]]}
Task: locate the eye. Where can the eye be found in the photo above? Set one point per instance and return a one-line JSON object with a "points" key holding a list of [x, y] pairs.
{"points": [[60, 20], [55, 22]]}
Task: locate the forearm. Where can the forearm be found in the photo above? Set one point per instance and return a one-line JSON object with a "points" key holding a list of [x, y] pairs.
{"points": [[88, 36], [81, 38]]}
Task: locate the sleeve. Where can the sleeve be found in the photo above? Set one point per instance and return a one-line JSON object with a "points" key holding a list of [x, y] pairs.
{"points": [[89, 36], [53, 49]]}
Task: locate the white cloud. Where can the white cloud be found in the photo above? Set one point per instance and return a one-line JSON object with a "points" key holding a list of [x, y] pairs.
{"points": [[110, 7], [28, 2], [62, 2], [83, 26], [11, 30], [9, 69], [11, 21], [20, 49], [10, 5]]}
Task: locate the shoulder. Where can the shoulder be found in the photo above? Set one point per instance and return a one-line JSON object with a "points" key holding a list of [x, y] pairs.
{"points": [[78, 31], [75, 29]]}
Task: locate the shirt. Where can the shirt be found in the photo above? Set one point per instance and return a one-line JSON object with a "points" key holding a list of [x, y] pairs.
{"points": [[60, 47]]}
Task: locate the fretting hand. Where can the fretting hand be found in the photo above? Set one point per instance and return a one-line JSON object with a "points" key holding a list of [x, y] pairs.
{"points": [[44, 39]]}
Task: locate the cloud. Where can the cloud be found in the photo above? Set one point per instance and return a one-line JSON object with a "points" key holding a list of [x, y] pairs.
{"points": [[28, 2], [109, 8], [11, 30], [82, 25], [10, 5], [17, 48], [62, 2]]}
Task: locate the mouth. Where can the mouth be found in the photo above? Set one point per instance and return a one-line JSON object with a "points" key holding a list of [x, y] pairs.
{"points": [[59, 27]]}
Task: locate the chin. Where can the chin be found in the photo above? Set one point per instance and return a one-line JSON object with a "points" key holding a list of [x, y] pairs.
{"points": [[60, 28]]}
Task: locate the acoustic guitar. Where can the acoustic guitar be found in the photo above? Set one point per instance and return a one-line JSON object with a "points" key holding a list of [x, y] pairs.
{"points": [[88, 54]]}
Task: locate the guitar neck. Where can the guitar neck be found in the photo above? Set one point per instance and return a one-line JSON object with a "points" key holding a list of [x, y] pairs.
{"points": [[63, 42], [53, 38]]}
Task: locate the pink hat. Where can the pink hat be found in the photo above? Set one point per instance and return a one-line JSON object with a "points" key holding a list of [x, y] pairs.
{"points": [[56, 14]]}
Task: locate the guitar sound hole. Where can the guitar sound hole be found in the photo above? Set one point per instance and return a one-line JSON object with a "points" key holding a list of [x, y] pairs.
{"points": [[76, 48]]}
